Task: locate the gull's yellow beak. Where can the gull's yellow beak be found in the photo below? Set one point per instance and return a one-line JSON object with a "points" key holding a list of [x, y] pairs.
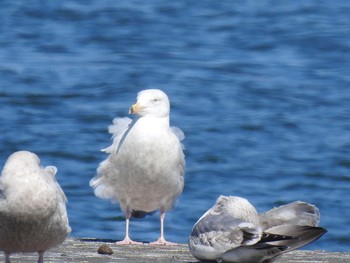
{"points": [[136, 108]]}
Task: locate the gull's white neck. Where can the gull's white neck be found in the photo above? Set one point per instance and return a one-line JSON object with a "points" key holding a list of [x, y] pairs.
{"points": [[150, 119]]}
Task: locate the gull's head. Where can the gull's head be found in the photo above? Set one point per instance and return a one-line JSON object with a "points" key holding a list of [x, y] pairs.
{"points": [[151, 102], [22, 161]]}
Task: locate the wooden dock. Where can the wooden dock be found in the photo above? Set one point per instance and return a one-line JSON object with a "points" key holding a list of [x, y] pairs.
{"points": [[85, 251]]}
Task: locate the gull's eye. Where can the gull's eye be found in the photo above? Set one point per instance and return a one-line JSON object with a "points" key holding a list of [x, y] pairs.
{"points": [[156, 100]]}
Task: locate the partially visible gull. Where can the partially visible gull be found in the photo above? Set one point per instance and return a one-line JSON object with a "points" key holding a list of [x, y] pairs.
{"points": [[145, 168], [33, 216], [233, 231]]}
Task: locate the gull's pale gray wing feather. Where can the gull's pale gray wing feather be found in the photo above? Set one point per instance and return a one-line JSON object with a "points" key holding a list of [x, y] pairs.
{"points": [[213, 235], [234, 231], [102, 187], [51, 171], [50, 176], [296, 213], [179, 134], [117, 129]]}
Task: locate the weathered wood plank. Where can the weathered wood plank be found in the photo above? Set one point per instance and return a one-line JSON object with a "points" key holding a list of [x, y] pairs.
{"points": [[85, 251]]}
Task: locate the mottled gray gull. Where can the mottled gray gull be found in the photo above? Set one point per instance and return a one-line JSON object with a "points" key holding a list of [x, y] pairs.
{"points": [[233, 231], [33, 216], [145, 168]]}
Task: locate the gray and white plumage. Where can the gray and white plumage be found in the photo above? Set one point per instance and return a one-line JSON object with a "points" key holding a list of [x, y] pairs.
{"points": [[145, 168], [33, 216], [233, 231]]}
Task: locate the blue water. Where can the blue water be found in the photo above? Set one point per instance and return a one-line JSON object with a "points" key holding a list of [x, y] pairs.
{"points": [[261, 90]]}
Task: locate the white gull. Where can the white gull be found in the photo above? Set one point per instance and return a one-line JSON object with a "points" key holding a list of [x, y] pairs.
{"points": [[33, 216], [145, 168]]}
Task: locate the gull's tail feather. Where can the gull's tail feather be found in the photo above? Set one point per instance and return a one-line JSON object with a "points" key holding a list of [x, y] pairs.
{"points": [[291, 237], [302, 235]]}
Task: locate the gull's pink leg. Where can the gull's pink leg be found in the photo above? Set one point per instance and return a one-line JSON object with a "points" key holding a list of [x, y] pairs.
{"points": [[127, 240], [161, 240]]}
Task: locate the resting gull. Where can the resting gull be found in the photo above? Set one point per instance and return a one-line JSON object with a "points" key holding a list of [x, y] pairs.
{"points": [[232, 231], [145, 168], [33, 216]]}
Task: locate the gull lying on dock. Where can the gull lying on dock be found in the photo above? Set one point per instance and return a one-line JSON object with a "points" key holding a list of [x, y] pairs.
{"points": [[145, 168], [33, 216], [232, 231]]}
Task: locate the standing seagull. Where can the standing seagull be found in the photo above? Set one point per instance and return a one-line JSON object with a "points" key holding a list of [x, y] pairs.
{"points": [[33, 216], [232, 231], [145, 168]]}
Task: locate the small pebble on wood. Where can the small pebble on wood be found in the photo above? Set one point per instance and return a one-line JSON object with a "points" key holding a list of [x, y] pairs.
{"points": [[105, 250]]}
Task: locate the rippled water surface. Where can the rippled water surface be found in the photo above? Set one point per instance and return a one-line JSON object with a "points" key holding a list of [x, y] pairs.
{"points": [[261, 90]]}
